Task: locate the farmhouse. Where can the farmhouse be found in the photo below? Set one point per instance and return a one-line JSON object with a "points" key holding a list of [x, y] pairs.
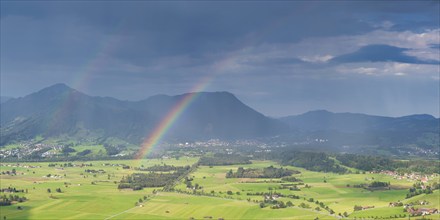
{"points": [[395, 204], [367, 207], [272, 197], [422, 211]]}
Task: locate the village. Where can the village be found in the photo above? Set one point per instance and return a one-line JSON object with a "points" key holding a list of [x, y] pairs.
{"points": [[28, 148], [409, 176]]}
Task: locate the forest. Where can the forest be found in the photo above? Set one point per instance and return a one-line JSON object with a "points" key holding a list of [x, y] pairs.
{"points": [[268, 172], [313, 161], [219, 159], [138, 181]]}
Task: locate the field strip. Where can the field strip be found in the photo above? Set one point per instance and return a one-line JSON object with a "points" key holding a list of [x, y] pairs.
{"points": [[77, 216], [52, 203], [120, 213], [124, 211]]}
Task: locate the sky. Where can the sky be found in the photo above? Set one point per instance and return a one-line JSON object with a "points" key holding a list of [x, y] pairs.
{"points": [[279, 57]]}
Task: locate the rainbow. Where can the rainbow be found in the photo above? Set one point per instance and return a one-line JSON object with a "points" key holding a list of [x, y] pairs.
{"points": [[165, 124], [107, 45], [83, 76]]}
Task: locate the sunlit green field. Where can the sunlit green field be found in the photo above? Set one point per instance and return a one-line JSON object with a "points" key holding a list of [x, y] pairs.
{"points": [[96, 196]]}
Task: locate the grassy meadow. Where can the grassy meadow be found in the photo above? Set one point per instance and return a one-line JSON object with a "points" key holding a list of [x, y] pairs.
{"points": [[96, 195]]}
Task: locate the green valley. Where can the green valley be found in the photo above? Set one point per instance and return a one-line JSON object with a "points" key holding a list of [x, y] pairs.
{"points": [[89, 190]]}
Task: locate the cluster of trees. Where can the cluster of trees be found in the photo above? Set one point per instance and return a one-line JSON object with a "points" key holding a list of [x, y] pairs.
{"points": [[5, 200], [293, 187], [58, 190], [12, 190], [69, 164], [376, 163], [7, 172], [276, 204], [36, 157], [322, 162], [271, 194], [366, 162], [224, 159], [420, 188], [320, 206], [84, 152], [266, 194], [66, 150], [291, 179], [418, 166], [113, 150], [94, 171], [374, 184], [280, 204], [418, 202], [141, 200], [270, 200], [189, 185], [183, 173], [378, 184], [210, 194], [268, 172], [138, 181], [162, 168], [357, 208], [314, 161]]}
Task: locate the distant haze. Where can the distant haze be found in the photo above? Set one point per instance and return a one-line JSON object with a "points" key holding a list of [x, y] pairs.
{"points": [[280, 58], [59, 110]]}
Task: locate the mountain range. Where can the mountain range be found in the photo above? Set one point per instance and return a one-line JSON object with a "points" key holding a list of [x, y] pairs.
{"points": [[60, 110]]}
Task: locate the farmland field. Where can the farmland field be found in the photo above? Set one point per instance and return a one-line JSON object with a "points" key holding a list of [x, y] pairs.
{"points": [[95, 195]]}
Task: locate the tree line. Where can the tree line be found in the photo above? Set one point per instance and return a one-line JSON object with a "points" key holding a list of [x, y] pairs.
{"points": [[268, 172], [138, 181], [219, 159], [313, 161]]}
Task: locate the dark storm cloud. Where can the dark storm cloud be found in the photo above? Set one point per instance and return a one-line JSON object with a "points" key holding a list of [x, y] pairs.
{"points": [[150, 29], [168, 28], [381, 53], [133, 49]]}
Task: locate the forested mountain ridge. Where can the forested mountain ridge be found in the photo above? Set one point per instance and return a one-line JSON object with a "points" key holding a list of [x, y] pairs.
{"points": [[352, 129], [60, 110]]}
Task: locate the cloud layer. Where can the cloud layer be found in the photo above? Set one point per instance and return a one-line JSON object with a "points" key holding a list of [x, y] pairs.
{"points": [[280, 57]]}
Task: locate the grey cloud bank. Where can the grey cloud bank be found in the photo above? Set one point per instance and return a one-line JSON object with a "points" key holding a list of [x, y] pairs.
{"points": [[279, 57]]}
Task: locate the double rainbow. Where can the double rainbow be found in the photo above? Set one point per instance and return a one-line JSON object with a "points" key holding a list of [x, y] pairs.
{"points": [[84, 76]]}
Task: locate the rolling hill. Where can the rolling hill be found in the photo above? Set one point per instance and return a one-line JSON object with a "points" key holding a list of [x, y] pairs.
{"points": [[361, 129], [58, 110]]}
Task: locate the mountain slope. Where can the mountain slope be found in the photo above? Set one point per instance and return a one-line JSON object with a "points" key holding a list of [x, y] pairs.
{"points": [[349, 128], [62, 111], [58, 110], [351, 122]]}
